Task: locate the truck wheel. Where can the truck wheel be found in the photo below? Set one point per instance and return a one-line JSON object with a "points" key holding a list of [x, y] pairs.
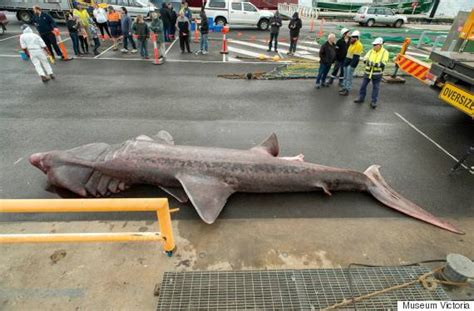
{"points": [[370, 22], [398, 23], [220, 21], [263, 24], [25, 17]]}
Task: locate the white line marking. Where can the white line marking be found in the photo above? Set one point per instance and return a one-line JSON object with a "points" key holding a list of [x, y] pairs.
{"points": [[12, 56], [432, 141], [171, 45], [233, 59], [223, 58], [300, 47], [4, 39], [105, 51], [244, 52], [17, 161], [262, 47]]}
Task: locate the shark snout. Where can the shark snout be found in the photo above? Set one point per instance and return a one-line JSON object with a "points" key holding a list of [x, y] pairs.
{"points": [[37, 160]]}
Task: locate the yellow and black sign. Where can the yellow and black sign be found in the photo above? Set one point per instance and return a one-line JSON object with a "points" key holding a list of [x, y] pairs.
{"points": [[458, 98]]}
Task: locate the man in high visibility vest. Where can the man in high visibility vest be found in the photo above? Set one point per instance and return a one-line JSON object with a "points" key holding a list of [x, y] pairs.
{"points": [[375, 61]]}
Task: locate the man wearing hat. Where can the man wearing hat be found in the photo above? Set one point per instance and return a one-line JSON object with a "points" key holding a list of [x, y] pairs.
{"points": [[341, 51], [354, 52], [375, 61]]}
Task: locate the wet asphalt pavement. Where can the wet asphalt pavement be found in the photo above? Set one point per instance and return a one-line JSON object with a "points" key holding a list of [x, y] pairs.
{"points": [[109, 100]]}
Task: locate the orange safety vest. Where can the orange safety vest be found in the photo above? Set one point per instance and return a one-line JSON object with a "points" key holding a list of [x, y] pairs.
{"points": [[113, 17]]}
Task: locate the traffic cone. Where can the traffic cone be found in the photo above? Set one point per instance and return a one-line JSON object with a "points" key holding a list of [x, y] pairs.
{"points": [[61, 44], [156, 51], [225, 30], [196, 33]]}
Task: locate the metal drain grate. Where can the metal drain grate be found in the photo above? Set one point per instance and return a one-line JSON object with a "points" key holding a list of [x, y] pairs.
{"points": [[310, 289]]}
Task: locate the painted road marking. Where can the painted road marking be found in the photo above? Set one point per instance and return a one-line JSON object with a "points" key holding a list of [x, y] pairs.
{"points": [[432, 141], [105, 51], [300, 47], [5, 39], [264, 47]]}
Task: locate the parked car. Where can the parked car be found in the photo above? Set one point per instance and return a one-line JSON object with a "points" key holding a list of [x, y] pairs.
{"points": [[236, 12], [134, 7], [369, 16], [3, 23]]}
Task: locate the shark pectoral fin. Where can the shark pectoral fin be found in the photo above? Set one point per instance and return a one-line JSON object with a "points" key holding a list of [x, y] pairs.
{"points": [[178, 193], [164, 137], [207, 194], [70, 177], [269, 146]]}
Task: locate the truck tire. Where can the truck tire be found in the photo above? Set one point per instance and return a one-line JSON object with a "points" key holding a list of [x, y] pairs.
{"points": [[398, 23], [25, 16], [263, 24], [220, 21], [370, 22]]}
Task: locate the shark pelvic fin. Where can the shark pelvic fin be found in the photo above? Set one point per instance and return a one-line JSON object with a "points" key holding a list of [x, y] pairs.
{"points": [[269, 146], [178, 193], [164, 137], [207, 194]]}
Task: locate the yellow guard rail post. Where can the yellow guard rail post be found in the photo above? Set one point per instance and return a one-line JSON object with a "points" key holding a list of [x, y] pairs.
{"points": [[160, 206]]}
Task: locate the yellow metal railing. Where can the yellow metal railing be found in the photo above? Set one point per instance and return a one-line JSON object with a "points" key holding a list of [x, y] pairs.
{"points": [[160, 206]]}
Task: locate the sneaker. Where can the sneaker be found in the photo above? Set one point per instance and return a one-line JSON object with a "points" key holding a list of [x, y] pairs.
{"points": [[44, 79], [325, 85], [205, 52], [52, 76], [134, 51], [269, 50], [373, 105], [358, 101], [96, 52], [276, 50], [330, 81], [146, 57], [318, 86], [344, 93], [124, 50]]}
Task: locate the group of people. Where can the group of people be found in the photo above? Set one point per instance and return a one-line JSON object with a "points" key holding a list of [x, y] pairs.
{"points": [[346, 54], [294, 26]]}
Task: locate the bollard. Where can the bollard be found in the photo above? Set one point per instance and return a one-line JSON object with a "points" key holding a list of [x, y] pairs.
{"points": [[320, 34], [311, 24], [156, 51], [61, 44], [196, 32], [225, 30]]}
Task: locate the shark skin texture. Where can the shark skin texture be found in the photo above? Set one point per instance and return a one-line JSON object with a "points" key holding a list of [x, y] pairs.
{"points": [[207, 176]]}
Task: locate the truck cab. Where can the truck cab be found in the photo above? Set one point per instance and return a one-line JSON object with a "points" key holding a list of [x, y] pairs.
{"points": [[234, 12]]}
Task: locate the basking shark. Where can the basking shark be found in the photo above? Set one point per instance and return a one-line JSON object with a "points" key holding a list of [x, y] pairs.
{"points": [[208, 176]]}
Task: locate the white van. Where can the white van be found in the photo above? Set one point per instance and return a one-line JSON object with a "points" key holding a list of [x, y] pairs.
{"points": [[236, 12], [134, 7]]}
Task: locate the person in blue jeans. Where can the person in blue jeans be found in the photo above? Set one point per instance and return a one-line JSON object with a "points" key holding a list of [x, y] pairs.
{"points": [[327, 56], [204, 32], [141, 30], [126, 26], [72, 23], [354, 53]]}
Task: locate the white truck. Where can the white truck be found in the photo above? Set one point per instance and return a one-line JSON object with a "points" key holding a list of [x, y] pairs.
{"points": [[234, 12]]}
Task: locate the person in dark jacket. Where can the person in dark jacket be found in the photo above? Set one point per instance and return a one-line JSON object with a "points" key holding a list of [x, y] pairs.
{"points": [[294, 26], [275, 24], [45, 25], [141, 30], [173, 18], [327, 56], [204, 28], [72, 24], [166, 19], [183, 28], [341, 51], [126, 26]]}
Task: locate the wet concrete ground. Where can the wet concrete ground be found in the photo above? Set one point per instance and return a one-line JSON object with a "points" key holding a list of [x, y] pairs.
{"points": [[111, 100]]}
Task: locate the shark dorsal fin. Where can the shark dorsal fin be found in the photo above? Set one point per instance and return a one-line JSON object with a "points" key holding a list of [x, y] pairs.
{"points": [[269, 146], [207, 194], [164, 137]]}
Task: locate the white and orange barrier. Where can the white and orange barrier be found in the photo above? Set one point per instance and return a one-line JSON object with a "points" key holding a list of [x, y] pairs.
{"points": [[224, 49], [156, 51], [415, 68], [61, 44]]}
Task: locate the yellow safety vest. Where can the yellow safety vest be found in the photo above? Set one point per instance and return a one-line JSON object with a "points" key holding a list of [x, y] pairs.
{"points": [[374, 60]]}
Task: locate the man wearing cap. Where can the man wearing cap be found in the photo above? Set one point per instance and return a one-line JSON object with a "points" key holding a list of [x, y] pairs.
{"points": [[375, 61], [354, 52], [341, 51]]}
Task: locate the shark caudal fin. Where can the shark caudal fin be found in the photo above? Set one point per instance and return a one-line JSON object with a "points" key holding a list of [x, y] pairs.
{"points": [[385, 194]]}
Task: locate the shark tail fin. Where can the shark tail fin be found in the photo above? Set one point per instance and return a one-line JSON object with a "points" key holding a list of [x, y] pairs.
{"points": [[385, 194]]}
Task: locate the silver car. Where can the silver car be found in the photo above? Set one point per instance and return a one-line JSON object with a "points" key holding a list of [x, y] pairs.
{"points": [[370, 15]]}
